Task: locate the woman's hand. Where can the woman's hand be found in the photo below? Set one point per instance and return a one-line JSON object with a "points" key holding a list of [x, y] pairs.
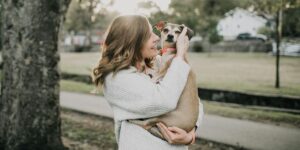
{"points": [[182, 43], [175, 135]]}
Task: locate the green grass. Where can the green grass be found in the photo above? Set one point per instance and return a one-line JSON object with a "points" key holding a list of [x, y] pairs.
{"points": [[88, 130], [79, 63], [73, 86], [277, 118], [245, 72]]}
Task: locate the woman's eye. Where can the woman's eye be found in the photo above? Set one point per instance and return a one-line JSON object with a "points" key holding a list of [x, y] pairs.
{"points": [[177, 32], [166, 30]]}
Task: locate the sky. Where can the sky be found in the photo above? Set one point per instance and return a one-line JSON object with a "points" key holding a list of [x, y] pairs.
{"points": [[130, 6]]}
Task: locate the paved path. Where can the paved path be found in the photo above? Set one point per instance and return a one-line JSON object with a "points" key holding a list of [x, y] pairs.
{"points": [[248, 134]]}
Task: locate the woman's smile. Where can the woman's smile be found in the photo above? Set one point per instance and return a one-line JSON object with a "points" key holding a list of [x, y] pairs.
{"points": [[154, 47]]}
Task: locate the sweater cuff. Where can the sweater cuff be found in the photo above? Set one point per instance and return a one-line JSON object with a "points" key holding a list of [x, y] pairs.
{"points": [[201, 114]]}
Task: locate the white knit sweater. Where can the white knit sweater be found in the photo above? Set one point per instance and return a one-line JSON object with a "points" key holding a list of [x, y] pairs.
{"points": [[133, 95]]}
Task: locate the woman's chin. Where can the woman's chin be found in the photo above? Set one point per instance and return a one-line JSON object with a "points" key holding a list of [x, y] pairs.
{"points": [[152, 56]]}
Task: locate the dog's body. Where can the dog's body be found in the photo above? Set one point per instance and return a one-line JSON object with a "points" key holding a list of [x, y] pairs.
{"points": [[186, 113]]}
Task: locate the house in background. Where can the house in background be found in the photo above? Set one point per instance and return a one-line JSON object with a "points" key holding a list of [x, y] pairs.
{"points": [[240, 21]]}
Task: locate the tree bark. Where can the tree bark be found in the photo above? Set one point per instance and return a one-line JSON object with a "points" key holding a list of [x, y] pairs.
{"points": [[29, 104]]}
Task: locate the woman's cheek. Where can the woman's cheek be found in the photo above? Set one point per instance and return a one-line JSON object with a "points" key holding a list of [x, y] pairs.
{"points": [[155, 52]]}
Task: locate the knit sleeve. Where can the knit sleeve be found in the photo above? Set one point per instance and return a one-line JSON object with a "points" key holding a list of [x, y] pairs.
{"points": [[201, 115], [134, 96]]}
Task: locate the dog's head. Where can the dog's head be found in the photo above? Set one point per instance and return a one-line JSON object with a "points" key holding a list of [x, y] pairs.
{"points": [[169, 33]]}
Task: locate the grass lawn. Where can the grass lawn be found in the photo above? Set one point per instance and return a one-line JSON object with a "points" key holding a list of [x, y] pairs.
{"points": [[216, 108], [240, 112], [245, 72], [80, 87]]}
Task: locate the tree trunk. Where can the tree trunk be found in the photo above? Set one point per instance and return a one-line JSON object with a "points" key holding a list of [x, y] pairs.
{"points": [[29, 104], [278, 39]]}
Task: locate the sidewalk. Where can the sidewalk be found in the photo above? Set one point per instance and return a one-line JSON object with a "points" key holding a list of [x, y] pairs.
{"points": [[248, 134]]}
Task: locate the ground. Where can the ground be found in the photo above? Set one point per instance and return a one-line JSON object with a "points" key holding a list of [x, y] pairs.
{"points": [[82, 131]]}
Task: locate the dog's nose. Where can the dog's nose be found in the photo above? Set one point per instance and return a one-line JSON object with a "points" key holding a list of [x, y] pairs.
{"points": [[170, 36]]}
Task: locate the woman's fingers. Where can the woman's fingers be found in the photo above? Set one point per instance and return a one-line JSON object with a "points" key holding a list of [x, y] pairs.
{"points": [[175, 135], [176, 129], [164, 132], [182, 43], [183, 32]]}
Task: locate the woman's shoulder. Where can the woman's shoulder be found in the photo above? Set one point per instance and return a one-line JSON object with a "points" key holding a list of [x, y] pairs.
{"points": [[127, 82], [124, 76]]}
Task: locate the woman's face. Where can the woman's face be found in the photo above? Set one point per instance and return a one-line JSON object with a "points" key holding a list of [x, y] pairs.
{"points": [[150, 48]]}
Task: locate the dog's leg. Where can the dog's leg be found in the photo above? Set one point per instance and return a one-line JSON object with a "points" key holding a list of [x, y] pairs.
{"points": [[146, 124], [142, 123]]}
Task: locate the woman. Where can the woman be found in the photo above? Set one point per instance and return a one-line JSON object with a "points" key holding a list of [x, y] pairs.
{"points": [[128, 52]]}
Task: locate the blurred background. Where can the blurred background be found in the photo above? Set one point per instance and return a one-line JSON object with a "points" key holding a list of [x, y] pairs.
{"points": [[245, 53], [234, 47], [233, 54]]}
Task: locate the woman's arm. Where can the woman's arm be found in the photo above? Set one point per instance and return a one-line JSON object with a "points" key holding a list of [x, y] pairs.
{"points": [[135, 96]]}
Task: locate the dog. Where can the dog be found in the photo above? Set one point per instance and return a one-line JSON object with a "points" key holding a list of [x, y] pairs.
{"points": [[187, 111]]}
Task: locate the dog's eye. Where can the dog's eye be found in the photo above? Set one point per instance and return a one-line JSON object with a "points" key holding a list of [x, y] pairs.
{"points": [[177, 32], [165, 30]]}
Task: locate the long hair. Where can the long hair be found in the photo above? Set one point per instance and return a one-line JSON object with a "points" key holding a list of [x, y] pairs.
{"points": [[125, 38]]}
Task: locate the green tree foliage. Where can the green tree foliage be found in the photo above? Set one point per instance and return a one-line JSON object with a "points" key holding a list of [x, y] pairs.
{"points": [[200, 15], [291, 22], [82, 15], [77, 18], [290, 8], [0, 26], [214, 37], [266, 31]]}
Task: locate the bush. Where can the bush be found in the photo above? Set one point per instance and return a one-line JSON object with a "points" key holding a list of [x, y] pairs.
{"points": [[267, 32], [197, 47], [214, 37]]}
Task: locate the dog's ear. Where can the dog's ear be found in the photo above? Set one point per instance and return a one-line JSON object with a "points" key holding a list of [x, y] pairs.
{"points": [[160, 25], [189, 33]]}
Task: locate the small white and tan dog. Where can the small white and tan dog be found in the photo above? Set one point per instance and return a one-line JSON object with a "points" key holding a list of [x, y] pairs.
{"points": [[187, 111]]}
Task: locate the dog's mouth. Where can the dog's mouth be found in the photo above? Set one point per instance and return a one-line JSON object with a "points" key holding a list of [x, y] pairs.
{"points": [[170, 40]]}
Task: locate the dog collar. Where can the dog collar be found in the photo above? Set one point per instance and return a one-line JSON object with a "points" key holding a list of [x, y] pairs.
{"points": [[164, 50]]}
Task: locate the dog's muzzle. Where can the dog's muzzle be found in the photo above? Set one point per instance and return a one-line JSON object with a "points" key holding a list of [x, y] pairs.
{"points": [[170, 38]]}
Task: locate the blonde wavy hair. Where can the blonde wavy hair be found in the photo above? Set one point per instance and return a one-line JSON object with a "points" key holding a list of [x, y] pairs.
{"points": [[125, 38]]}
